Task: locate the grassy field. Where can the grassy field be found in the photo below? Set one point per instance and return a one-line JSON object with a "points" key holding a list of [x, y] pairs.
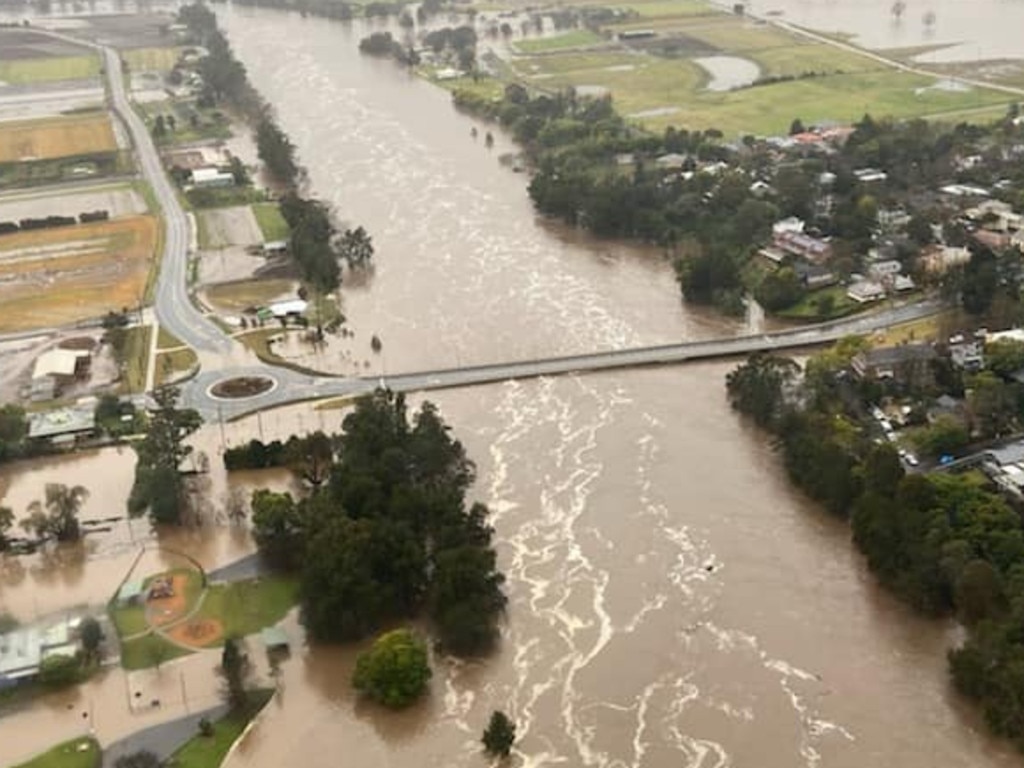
{"points": [[170, 364], [575, 39], [57, 276], [40, 70], [809, 307], [209, 751], [151, 59], [246, 607], [77, 753], [55, 137], [272, 223], [237, 296], [149, 651]]}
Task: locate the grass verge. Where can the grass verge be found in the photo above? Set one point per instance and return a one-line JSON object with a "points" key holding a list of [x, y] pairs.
{"points": [[77, 753], [241, 295], [209, 751], [167, 340], [136, 358], [170, 365], [824, 304], [271, 222]]}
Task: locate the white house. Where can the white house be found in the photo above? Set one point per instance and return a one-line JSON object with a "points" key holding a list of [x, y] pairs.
{"points": [[212, 177], [865, 291], [792, 224]]}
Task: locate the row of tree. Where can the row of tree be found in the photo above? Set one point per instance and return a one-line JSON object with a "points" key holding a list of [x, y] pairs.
{"points": [[388, 535], [10, 227], [942, 542]]}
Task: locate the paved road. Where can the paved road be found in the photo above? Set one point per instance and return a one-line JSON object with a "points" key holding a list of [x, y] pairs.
{"points": [[174, 309], [163, 739]]}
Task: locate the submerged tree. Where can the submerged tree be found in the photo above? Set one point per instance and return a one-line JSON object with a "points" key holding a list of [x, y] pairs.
{"points": [[500, 735], [394, 671], [236, 671], [356, 247], [159, 486], [57, 516]]}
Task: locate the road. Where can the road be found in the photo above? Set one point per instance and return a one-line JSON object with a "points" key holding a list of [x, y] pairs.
{"points": [[174, 309]]}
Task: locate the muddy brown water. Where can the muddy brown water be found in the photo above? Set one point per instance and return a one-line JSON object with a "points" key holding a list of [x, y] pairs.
{"points": [[673, 602]]}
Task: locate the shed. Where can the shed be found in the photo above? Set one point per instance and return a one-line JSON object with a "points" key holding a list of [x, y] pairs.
{"points": [[61, 363], [212, 177], [274, 639], [292, 308], [129, 592]]}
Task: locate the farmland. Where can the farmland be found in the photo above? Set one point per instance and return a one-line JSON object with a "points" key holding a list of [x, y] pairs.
{"points": [[56, 137], [151, 59], [56, 276]]}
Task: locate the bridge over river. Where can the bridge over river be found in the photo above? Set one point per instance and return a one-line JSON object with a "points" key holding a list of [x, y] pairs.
{"points": [[291, 386]]}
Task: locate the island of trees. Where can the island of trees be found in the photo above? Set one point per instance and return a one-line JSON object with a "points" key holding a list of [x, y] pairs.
{"points": [[385, 533]]}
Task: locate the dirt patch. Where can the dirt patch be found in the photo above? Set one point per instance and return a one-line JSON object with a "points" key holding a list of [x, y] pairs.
{"points": [[197, 633], [56, 137], [225, 227], [165, 610], [241, 387], [53, 277]]}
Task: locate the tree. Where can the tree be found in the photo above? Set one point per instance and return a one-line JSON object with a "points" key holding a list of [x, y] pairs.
{"points": [[159, 127], [779, 290], [158, 486], [1004, 357], [141, 759], [278, 529], [394, 671], [6, 521], [60, 518], [992, 405], [499, 735], [58, 670], [356, 247], [797, 126], [979, 592], [236, 672], [980, 282], [758, 387], [91, 635]]}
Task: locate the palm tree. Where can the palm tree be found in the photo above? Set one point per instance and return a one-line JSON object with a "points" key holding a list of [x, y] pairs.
{"points": [[60, 520]]}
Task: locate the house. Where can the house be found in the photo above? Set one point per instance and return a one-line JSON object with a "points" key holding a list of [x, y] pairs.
{"points": [[885, 271], [637, 34], [209, 178], [813, 249], [967, 353], [792, 224], [996, 216], [865, 291], [814, 276], [907, 364], [1017, 239], [761, 188], [963, 190], [938, 259], [23, 650], [62, 426], [903, 283]]}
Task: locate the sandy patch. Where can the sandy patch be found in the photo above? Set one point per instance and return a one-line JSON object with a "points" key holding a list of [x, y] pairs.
{"points": [[198, 633]]}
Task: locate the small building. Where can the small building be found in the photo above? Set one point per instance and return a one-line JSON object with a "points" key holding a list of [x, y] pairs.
{"points": [[814, 276], [62, 366], [908, 364], [791, 224], [903, 283], [963, 190], [274, 639], [637, 34], [870, 175], [293, 308], [865, 291], [62, 426], [938, 259], [275, 248], [967, 353], [211, 178], [23, 650], [672, 161], [882, 271]]}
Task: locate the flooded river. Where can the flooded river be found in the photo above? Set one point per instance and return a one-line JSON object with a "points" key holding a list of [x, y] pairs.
{"points": [[672, 601]]}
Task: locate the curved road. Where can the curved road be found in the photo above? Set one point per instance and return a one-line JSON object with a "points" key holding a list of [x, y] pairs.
{"points": [[174, 308]]}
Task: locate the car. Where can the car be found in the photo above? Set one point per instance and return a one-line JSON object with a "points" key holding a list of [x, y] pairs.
{"points": [[903, 453], [912, 460]]}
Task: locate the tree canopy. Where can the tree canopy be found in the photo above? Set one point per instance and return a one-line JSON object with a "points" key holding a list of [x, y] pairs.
{"points": [[395, 670]]}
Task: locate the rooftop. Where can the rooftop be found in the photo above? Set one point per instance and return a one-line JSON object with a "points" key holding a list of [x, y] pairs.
{"points": [[58, 362], [65, 421]]}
